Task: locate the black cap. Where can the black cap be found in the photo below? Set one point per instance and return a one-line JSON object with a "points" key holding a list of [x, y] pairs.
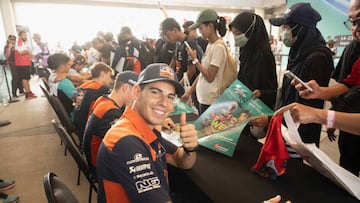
{"points": [[129, 77], [76, 48], [79, 59], [160, 72], [187, 24], [300, 13]]}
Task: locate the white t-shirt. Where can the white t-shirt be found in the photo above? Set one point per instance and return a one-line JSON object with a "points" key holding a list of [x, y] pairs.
{"points": [[215, 55]]}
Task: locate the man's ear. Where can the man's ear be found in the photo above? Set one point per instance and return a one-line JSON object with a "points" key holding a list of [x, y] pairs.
{"points": [[136, 92]]}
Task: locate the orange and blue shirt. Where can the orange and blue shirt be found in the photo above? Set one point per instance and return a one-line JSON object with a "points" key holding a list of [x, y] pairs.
{"points": [[91, 90], [105, 113], [131, 163]]}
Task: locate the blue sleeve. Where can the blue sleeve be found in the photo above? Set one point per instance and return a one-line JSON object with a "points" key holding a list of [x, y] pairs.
{"points": [[132, 166], [67, 87]]}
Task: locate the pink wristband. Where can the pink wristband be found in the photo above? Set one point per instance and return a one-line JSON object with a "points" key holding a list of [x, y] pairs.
{"points": [[330, 119]]}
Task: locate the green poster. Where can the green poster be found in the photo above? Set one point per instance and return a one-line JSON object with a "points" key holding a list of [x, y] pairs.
{"points": [[220, 126]]}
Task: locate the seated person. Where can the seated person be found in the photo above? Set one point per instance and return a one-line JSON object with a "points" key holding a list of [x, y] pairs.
{"points": [[61, 86], [106, 111], [88, 92], [133, 153], [76, 73]]}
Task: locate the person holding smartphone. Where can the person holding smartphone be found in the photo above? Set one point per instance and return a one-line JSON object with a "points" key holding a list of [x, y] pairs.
{"points": [[309, 59]]}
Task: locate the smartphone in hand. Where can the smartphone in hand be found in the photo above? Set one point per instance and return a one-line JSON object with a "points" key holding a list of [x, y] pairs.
{"points": [[292, 76], [187, 45]]}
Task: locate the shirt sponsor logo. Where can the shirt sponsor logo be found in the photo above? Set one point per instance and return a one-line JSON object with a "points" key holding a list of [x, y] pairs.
{"points": [[137, 158], [147, 184], [219, 147], [142, 167]]}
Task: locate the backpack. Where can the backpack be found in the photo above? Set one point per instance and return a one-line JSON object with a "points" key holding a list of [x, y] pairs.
{"points": [[146, 54], [230, 69]]}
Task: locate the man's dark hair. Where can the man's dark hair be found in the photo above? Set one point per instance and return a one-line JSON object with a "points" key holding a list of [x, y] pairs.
{"points": [[97, 40], [99, 67], [169, 24], [108, 36], [21, 32], [55, 60]]}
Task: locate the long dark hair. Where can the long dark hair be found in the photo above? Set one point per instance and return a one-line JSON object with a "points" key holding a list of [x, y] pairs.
{"points": [[219, 25]]}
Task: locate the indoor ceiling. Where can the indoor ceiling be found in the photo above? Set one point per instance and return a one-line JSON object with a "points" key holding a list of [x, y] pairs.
{"points": [[222, 5]]}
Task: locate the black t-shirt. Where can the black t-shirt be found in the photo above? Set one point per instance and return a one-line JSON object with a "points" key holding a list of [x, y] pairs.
{"points": [[185, 60]]}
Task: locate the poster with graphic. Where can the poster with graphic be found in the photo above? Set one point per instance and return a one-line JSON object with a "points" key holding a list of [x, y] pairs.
{"points": [[220, 126]]}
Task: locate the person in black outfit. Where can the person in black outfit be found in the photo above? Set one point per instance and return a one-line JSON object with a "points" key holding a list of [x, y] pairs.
{"points": [[309, 59], [349, 144], [192, 34], [257, 63]]}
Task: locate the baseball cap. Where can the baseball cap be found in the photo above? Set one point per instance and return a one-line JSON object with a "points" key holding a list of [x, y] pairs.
{"points": [[79, 59], [300, 13], [160, 72], [207, 15], [129, 77], [188, 24], [76, 48]]}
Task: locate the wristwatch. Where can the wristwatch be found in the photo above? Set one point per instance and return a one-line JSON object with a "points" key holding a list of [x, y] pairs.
{"points": [[195, 61]]}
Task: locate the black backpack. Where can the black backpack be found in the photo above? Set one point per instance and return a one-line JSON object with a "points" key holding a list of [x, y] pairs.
{"points": [[146, 54]]}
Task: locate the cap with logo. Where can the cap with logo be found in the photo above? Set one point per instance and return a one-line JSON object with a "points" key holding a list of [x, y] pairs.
{"points": [[160, 72], [129, 77], [79, 60], [207, 15], [300, 13]]}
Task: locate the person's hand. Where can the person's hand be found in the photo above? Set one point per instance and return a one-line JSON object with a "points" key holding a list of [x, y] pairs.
{"points": [[185, 97], [306, 93], [188, 134], [192, 53], [275, 199], [301, 113], [256, 94], [259, 121], [167, 125]]}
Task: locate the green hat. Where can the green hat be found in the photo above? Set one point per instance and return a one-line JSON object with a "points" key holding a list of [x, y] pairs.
{"points": [[207, 15]]}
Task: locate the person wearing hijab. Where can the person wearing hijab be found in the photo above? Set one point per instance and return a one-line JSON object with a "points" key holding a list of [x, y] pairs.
{"points": [[309, 59], [257, 63]]}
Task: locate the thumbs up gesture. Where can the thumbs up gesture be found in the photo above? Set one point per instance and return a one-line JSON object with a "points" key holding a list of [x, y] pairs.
{"points": [[188, 134]]}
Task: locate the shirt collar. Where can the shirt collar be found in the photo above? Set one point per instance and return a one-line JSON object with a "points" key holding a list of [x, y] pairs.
{"points": [[139, 124]]}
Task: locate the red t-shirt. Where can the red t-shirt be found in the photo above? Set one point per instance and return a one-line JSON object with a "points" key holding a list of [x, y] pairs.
{"points": [[354, 77]]}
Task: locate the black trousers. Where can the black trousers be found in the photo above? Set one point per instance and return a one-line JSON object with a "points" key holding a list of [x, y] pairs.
{"points": [[349, 147]]}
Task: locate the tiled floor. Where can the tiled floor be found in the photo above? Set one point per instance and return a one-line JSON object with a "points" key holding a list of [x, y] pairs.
{"points": [[30, 148]]}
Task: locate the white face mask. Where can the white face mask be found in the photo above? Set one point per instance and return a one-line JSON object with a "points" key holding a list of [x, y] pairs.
{"points": [[241, 40], [288, 38]]}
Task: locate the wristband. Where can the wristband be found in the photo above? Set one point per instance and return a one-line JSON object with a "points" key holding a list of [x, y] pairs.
{"points": [[330, 119], [188, 151], [195, 61]]}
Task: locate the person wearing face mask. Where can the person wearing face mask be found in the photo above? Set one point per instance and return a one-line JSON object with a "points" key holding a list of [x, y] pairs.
{"points": [[309, 59], [257, 64]]}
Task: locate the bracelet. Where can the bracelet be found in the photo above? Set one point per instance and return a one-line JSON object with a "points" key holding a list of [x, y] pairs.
{"points": [[195, 61], [330, 119], [188, 151]]}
